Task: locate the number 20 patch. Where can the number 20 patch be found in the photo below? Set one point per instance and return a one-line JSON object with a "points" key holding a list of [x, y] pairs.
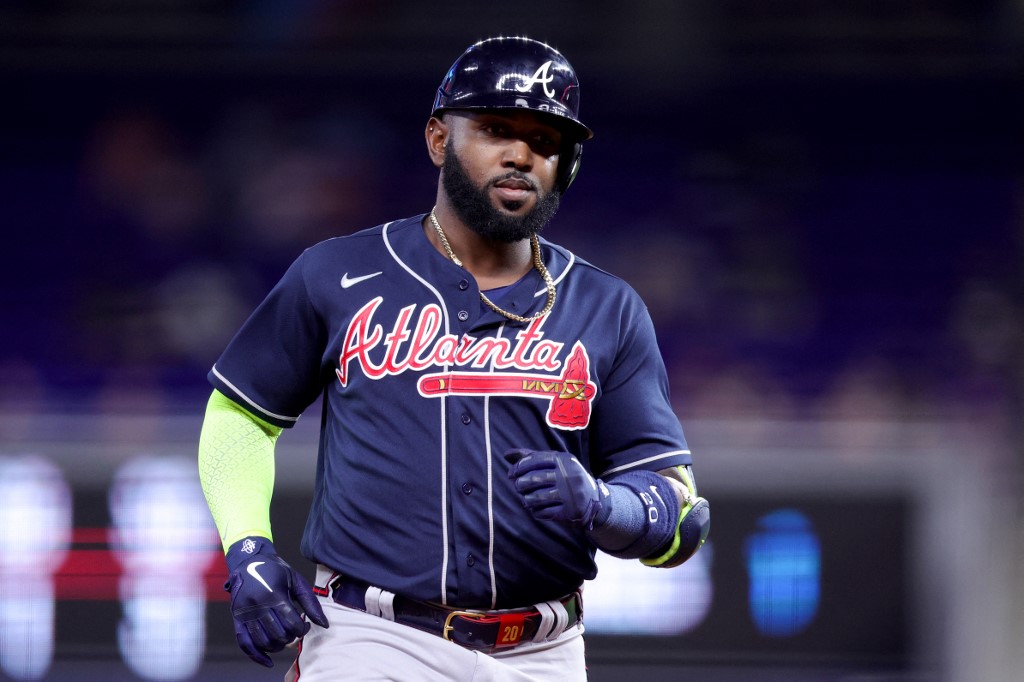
{"points": [[510, 629]]}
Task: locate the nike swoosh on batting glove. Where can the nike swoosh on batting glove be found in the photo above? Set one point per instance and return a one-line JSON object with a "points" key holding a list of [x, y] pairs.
{"points": [[556, 486], [268, 599]]}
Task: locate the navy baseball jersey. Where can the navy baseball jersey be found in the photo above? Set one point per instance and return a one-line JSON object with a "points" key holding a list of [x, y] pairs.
{"points": [[423, 390]]}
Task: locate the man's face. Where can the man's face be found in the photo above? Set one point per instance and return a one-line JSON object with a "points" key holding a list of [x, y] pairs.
{"points": [[499, 172]]}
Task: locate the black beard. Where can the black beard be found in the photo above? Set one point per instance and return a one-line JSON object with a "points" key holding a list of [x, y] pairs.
{"points": [[474, 208]]}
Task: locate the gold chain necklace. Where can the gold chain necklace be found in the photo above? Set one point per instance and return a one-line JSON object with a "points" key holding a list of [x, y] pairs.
{"points": [[537, 263]]}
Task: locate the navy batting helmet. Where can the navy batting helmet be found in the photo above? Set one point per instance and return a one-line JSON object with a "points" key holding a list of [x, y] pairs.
{"points": [[519, 73]]}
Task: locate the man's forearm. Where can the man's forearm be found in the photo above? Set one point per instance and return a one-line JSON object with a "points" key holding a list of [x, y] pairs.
{"points": [[236, 468]]}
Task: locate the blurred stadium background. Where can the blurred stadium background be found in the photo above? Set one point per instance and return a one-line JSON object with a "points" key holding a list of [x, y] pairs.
{"points": [[821, 202]]}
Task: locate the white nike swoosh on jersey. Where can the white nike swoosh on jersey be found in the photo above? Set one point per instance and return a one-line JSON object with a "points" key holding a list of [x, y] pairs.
{"points": [[347, 281], [251, 569]]}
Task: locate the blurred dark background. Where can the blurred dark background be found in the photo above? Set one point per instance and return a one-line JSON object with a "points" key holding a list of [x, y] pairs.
{"points": [[821, 202]]}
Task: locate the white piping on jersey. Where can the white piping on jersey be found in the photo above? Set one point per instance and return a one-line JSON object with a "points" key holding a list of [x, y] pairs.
{"points": [[490, 486], [249, 400], [637, 463], [444, 407], [490, 501], [565, 271]]}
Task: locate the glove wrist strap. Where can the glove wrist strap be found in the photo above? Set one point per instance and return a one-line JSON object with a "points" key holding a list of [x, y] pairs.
{"points": [[245, 549], [643, 515]]}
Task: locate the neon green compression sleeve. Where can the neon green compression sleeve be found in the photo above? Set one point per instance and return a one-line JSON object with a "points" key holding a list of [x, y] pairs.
{"points": [[236, 468]]}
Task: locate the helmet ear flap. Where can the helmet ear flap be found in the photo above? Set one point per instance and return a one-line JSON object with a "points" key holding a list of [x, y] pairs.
{"points": [[568, 166]]}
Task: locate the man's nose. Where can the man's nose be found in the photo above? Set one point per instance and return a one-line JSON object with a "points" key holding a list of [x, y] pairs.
{"points": [[518, 155]]}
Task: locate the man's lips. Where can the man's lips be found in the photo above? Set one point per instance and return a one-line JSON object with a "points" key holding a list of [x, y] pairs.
{"points": [[514, 183], [514, 189]]}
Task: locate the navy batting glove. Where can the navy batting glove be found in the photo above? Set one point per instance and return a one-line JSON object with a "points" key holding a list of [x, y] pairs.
{"points": [[555, 485], [268, 598]]}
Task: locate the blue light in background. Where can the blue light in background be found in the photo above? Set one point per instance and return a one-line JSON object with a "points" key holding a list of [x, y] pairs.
{"points": [[784, 566]]}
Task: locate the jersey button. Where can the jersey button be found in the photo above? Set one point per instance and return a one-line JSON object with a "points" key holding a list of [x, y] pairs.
{"points": [[463, 315], [470, 559], [467, 488], [466, 419], [464, 284]]}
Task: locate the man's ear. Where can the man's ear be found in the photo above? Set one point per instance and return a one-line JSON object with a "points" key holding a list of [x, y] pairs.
{"points": [[437, 138]]}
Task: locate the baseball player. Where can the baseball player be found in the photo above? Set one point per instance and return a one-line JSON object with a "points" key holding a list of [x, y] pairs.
{"points": [[495, 411]]}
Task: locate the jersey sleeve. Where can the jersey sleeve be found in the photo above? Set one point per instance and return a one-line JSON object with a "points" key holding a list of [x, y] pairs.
{"points": [[272, 366], [634, 424]]}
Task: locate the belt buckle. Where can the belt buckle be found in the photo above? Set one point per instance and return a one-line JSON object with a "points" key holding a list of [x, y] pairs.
{"points": [[448, 627]]}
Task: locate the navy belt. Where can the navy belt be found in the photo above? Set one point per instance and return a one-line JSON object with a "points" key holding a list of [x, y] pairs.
{"points": [[486, 631]]}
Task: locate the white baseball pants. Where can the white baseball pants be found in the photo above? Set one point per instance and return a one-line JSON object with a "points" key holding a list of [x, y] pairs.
{"points": [[360, 647]]}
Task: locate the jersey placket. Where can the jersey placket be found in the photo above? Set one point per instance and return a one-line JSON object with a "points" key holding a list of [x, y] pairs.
{"points": [[470, 476]]}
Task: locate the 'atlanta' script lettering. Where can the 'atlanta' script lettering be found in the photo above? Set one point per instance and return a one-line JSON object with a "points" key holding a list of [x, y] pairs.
{"points": [[420, 345]]}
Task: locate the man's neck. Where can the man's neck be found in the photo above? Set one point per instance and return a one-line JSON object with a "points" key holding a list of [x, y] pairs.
{"points": [[492, 263]]}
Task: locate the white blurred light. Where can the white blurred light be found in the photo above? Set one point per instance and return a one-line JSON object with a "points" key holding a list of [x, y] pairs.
{"points": [[632, 599], [161, 535], [35, 530]]}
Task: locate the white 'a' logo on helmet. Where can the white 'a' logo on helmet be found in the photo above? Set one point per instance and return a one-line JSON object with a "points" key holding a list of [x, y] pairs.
{"points": [[543, 76]]}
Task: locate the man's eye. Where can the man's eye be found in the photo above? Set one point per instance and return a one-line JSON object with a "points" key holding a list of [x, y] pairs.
{"points": [[548, 145]]}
